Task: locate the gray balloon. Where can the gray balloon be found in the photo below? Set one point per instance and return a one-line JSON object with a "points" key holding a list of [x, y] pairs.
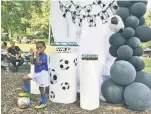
{"points": [[132, 21], [117, 40], [143, 33], [137, 96], [138, 9], [125, 52], [112, 92], [123, 3], [143, 77], [143, 1], [138, 51], [137, 63], [113, 51], [122, 72], [141, 21], [117, 59], [134, 42], [128, 32], [123, 12]]}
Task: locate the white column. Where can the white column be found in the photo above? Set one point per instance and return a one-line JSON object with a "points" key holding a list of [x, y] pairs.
{"points": [[62, 71], [34, 88]]}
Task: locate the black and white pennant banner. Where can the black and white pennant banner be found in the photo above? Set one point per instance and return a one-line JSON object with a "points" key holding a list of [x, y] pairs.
{"points": [[80, 13]]}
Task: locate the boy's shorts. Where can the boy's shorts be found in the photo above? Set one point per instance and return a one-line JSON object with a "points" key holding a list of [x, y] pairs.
{"points": [[41, 78]]}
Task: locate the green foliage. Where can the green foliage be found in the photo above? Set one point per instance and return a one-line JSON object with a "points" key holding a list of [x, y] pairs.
{"points": [[24, 18], [148, 18]]}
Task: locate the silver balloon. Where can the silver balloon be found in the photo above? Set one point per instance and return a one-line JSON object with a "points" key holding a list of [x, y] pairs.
{"points": [[23, 102]]}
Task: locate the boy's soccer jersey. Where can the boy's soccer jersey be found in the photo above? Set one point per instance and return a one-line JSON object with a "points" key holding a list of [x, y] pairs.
{"points": [[43, 66]]}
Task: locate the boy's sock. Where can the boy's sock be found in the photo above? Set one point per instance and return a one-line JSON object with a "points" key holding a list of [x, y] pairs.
{"points": [[27, 86], [43, 98]]}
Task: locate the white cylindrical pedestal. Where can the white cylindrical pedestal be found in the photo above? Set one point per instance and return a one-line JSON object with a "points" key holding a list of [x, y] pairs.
{"points": [[62, 71], [89, 84], [34, 88]]}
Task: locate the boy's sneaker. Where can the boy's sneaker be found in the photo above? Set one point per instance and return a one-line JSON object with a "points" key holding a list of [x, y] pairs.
{"points": [[24, 94], [40, 106]]}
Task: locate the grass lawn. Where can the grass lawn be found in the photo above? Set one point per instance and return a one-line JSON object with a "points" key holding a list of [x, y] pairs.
{"points": [[27, 47], [147, 64]]}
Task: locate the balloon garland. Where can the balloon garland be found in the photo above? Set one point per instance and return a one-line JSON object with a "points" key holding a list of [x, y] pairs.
{"points": [[129, 83]]}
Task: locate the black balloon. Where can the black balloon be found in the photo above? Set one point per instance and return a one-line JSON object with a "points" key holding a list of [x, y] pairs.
{"points": [[137, 63], [143, 33], [132, 21], [137, 96], [117, 40], [143, 1], [112, 92], [128, 32], [122, 72], [123, 12], [113, 51], [138, 9], [117, 59], [123, 3], [141, 21], [143, 77], [138, 51], [125, 52], [133, 42]]}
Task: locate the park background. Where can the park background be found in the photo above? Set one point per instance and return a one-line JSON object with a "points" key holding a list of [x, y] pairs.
{"points": [[26, 22]]}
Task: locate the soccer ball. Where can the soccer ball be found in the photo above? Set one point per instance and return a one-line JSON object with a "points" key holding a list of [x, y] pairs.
{"points": [[65, 85], [64, 64], [53, 76], [23, 102], [75, 61], [51, 95], [116, 24]]}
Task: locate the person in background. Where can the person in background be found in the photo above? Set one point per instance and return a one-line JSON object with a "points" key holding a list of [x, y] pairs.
{"points": [[4, 47], [15, 55]]}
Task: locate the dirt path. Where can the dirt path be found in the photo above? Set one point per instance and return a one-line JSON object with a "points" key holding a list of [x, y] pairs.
{"points": [[12, 84]]}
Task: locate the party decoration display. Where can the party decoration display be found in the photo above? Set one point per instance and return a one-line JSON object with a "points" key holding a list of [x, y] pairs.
{"points": [[132, 21], [53, 76], [143, 1], [123, 3], [117, 40], [138, 51], [112, 92], [143, 77], [141, 20], [82, 13], [125, 52], [122, 72], [123, 12], [113, 51], [138, 9], [128, 32], [64, 64], [143, 33], [127, 68], [137, 96], [62, 71], [137, 63], [65, 85], [116, 24], [134, 42]]}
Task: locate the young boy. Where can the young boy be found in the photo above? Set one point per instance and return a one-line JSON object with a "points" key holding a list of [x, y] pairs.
{"points": [[40, 74]]}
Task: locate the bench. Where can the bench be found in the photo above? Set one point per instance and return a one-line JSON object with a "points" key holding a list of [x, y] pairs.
{"points": [[6, 63]]}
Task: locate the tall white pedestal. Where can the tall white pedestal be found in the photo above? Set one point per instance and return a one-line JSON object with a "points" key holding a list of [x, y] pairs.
{"points": [[34, 88]]}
